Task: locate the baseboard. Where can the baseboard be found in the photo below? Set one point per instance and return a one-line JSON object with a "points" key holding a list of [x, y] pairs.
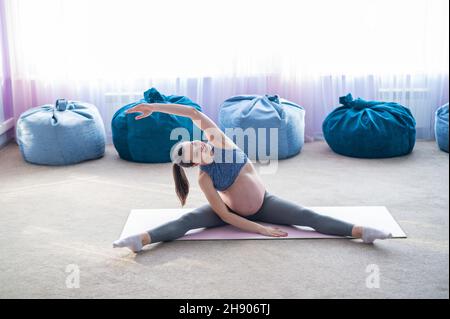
{"points": [[6, 125]]}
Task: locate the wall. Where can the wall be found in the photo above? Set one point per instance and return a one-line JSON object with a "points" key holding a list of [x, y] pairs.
{"points": [[3, 137]]}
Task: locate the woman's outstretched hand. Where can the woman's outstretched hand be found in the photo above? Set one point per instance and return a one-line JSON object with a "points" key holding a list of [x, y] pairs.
{"points": [[145, 109], [272, 232]]}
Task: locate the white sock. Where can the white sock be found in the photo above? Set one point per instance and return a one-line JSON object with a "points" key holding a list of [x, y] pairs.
{"points": [[134, 243], [370, 234]]}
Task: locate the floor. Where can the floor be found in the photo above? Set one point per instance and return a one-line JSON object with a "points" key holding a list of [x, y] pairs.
{"points": [[57, 225]]}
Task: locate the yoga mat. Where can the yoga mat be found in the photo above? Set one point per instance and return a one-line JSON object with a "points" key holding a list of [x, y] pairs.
{"points": [[141, 220]]}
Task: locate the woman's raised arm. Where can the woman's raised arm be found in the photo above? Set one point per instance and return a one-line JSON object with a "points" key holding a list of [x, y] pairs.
{"points": [[213, 133]]}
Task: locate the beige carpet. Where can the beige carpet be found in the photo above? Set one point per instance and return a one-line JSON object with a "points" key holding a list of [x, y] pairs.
{"points": [[52, 217]]}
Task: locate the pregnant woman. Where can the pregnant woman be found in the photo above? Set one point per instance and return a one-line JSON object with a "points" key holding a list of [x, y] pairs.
{"points": [[235, 193]]}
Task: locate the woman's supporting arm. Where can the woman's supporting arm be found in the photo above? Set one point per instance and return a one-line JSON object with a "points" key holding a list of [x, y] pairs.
{"points": [[222, 210], [213, 133], [231, 218]]}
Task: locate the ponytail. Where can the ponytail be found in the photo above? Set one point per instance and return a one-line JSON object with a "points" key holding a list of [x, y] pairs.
{"points": [[181, 183]]}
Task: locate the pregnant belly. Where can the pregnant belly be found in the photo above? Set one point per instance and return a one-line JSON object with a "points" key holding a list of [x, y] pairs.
{"points": [[245, 196]]}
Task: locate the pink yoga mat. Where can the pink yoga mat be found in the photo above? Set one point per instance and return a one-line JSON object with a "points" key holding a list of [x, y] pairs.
{"points": [[141, 220]]}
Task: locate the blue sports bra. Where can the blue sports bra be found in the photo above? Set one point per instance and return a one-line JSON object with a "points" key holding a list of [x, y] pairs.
{"points": [[226, 166]]}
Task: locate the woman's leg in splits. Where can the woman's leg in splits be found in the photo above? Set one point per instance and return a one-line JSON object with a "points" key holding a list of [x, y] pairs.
{"points": [[276, 210], [280, 211], [203, 216]]}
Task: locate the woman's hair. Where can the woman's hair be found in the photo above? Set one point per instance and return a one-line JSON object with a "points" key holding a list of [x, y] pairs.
{"points": [[179, 176]]}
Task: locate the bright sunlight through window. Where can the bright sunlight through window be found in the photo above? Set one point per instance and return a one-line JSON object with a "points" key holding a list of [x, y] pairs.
{"points": [[171, 38]]}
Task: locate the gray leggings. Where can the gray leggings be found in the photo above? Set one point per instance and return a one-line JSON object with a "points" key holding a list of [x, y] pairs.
{"points": [[273, 210]]}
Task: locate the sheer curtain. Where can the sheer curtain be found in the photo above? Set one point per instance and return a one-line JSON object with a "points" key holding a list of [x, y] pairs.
{"points": [[311, 52], [6, 112]]}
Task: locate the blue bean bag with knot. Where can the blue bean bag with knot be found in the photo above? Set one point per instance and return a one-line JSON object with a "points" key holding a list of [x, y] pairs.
{"points": [[148, 140], [67, 133], [370, 129], [249, 120], [441, 127]]}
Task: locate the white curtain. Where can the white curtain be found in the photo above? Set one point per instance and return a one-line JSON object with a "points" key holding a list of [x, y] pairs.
{"points": [[311, 52]]}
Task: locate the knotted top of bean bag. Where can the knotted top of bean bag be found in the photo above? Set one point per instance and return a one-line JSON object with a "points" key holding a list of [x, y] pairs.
{"points": [[378, 110]]}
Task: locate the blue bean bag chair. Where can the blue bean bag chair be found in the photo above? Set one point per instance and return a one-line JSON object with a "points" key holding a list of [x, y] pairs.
{"points": [[370, 129], [148, 140], [254, 116], [441, 127], [67, 133]]}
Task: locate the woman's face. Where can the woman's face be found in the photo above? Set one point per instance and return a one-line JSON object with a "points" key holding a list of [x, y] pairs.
{"points": [[197, 152]]}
